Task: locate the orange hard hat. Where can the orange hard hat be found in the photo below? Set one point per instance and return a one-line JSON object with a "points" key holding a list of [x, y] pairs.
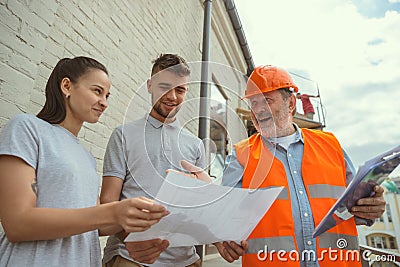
{"points": [[268, 78]]}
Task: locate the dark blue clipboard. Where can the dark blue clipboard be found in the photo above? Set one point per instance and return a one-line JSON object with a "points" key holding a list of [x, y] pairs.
{"points": [[371, 173]]}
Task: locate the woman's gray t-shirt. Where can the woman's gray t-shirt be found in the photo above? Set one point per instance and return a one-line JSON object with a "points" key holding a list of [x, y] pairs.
{"points": [[66, 178]]}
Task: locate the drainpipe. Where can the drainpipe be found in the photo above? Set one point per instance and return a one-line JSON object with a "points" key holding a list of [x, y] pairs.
{"points": [[204, 109], [237, 26], [204, 112]]}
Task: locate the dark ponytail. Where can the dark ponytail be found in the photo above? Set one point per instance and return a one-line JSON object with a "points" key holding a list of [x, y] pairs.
{"points": [[54, 110]]}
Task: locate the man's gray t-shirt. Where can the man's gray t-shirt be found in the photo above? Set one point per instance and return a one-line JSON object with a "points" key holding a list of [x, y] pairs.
{"points": [[66, 178], [139, 153]]}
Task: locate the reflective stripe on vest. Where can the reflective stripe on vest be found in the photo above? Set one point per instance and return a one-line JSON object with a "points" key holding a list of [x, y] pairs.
{"points": [[325, 191], [285, 243], [283, 195], [338, 241]]}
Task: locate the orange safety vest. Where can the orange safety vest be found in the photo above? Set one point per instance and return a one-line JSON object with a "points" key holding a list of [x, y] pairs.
{"points": [[273, 241]]}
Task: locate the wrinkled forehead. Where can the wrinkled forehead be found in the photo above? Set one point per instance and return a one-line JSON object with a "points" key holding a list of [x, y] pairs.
{"points": [[263, 96]]}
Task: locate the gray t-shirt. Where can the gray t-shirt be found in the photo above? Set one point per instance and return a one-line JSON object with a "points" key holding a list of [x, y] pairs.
{"points": [[139, 153], [66, 178]]}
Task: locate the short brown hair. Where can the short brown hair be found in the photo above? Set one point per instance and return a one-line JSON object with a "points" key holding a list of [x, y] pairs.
{"points": [[171, 62], [285, 92]]}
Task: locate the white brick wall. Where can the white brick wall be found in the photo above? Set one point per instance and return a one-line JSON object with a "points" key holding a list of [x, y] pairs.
{"points": [[125, 35]]}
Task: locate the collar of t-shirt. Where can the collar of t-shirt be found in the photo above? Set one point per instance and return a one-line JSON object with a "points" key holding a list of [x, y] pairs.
{"points": [[157, 124], [284, 141]]}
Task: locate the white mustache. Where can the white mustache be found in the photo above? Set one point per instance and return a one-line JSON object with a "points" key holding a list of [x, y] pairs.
{"points": [[263, 116]]}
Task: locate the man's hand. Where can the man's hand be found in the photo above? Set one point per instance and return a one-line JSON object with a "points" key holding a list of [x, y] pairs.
{"points": [[370, 207], [196, 172], [146, 251], [231, 251]]}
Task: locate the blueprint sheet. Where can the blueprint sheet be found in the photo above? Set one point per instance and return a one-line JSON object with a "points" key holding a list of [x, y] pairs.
{"points": [[204, 213]]}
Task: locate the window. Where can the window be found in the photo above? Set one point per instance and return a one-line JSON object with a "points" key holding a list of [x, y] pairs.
{"points": [[382, 241], [378, 241], [388, 213], [218, 133], [392, 242]]}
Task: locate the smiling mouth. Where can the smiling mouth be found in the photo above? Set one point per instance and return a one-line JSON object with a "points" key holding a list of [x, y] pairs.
{"points": [[262, 120], [170, 104], [98, 111]]}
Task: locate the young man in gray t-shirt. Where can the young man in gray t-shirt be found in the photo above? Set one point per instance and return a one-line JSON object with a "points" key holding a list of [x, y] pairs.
{"points": [[137, 156]]}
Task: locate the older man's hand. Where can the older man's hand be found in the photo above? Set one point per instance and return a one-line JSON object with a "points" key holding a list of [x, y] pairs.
{"points": [[370, 207], [231, 251]]}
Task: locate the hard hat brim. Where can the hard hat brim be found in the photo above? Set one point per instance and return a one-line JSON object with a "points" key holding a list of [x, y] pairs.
{"points": [[295, 90]]}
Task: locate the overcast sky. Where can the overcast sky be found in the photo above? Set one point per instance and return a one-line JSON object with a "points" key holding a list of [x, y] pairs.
{"points": [[351, 48]]}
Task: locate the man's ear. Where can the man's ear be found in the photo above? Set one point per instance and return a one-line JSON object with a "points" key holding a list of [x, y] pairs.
{"points": [[148, 82], [65, 86], [292, 103]]}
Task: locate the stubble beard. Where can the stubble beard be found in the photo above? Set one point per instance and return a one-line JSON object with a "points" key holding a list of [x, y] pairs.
{"points": [[165, 114], [277, 127]]}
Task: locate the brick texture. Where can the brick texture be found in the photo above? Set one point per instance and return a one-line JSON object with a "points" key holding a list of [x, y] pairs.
{"points": [[124, 35]]}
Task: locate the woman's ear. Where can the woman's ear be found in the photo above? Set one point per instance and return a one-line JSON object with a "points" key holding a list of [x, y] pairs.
{"points": [[66, 86]]}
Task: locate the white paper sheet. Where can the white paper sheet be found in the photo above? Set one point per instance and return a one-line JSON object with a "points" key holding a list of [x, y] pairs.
{"points": [[203, 213]]}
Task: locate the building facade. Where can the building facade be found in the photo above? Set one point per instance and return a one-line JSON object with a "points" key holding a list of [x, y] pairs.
{"points": [[384, 234]]}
